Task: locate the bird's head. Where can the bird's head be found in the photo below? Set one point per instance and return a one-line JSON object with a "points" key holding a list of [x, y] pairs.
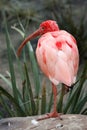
{"points": [[46, 26]]}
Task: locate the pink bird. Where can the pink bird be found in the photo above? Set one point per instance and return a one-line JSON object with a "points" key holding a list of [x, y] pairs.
{"points": [[57, 55]]}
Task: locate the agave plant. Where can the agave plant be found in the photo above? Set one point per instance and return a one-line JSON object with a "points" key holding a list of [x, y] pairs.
{"points": [[23, 102]]}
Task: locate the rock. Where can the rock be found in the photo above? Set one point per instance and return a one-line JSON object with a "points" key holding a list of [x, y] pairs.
{"points": [[68, 122]]}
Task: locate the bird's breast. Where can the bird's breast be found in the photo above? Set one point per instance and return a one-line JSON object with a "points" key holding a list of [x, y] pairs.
{"points": [[58, 57]]}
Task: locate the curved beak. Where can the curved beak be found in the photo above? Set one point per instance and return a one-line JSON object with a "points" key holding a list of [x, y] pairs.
{"points": [[33, 35]]}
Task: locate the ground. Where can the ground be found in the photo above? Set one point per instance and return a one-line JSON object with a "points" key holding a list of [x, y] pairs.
{"points": [[68, 122]]}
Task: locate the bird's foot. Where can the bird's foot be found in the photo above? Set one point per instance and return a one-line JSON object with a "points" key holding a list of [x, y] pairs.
{"points": [[51, 115], [54, 115]]}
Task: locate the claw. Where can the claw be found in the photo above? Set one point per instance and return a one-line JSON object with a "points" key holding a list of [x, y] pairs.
{"points": [[50, 115]]}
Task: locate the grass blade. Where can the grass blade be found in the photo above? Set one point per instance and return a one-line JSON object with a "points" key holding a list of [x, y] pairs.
{"points": [[81, 105], [69, 102], [34, 69], [6, 107], [84, 111], [43, 100], [6, 80], [14, 102], [1, 114], [35, 74], [29, 90], [60, 103], [50, 103], [75, 93], [8, 42], [18, 30], [26, 100]]}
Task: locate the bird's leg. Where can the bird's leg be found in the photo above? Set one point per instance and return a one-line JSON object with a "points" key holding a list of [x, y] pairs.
{"points": [[53, 114]]}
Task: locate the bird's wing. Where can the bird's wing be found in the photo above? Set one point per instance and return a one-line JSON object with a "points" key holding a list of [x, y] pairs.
{"points": [[60, 64], [59, 68]]}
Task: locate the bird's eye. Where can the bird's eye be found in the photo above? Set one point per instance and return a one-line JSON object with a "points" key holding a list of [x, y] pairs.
{"points": [[43, 28]]}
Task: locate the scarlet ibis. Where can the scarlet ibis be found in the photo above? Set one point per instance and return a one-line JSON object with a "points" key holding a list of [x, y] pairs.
{"points": [[57, 55]]}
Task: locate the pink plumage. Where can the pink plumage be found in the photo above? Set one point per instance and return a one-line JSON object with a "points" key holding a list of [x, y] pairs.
{"points": [[57, 55]]}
